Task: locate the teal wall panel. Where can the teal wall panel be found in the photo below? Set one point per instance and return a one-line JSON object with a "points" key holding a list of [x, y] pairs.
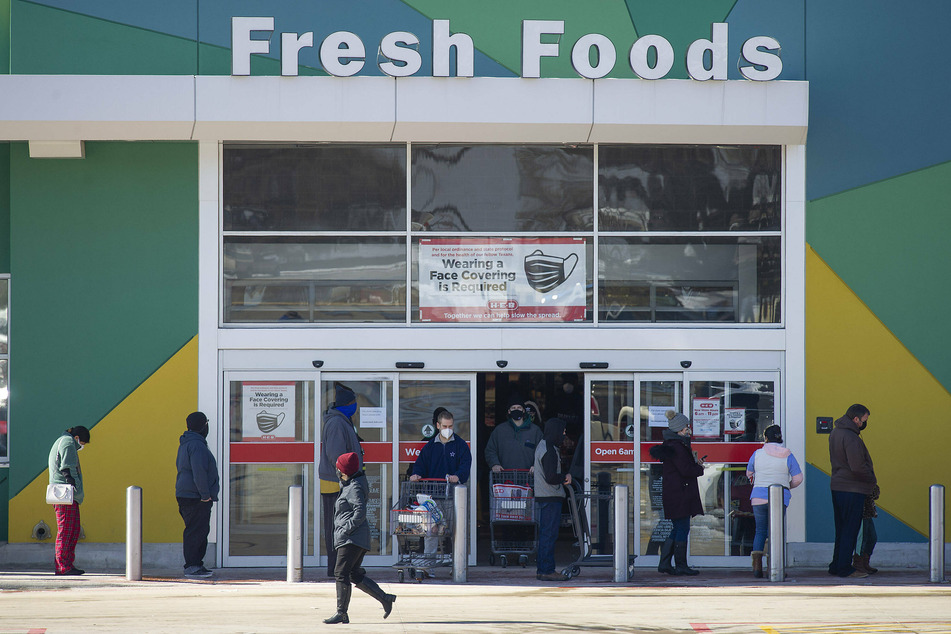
{"points": [[888, 243], [4, 207], [105, 257]]}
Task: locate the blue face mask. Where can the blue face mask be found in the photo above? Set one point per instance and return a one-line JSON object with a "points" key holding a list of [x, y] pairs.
{"points": [[348, 410]]}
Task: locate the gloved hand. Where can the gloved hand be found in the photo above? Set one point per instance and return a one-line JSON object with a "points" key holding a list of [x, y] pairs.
{"points": [[69, 476]]}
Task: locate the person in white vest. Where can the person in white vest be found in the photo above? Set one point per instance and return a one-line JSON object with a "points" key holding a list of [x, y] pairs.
{"points": [[772, 464]]}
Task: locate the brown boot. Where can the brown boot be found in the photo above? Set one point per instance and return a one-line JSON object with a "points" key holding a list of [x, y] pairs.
{"points": [[860, 562], [757, 563]]}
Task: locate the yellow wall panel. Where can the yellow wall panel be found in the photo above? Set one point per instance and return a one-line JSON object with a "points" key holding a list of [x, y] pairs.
{"points": [[852, 358], [135, 444]]}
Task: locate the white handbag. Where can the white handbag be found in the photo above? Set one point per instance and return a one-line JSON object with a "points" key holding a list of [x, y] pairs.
{"points": [[59, 494]]}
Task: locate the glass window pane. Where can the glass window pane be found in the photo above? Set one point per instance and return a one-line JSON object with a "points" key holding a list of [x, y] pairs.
{"points": [[314, 279], [745, 408], [418, 400], [689, 188], [690, 279], [502, 280], [315, 188], [266, 411], [4, 315], [4, 402], [258, 517], [502, 188]]}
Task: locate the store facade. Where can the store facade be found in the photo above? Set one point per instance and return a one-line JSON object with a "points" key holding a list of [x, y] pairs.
{"points": [[457, 219]]}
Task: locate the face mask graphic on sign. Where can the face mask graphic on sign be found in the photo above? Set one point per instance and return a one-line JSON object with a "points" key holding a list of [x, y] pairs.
{"points": [[269, 422], [546, 272]]}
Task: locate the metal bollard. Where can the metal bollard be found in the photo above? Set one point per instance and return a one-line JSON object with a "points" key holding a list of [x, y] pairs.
{"points": [[133, 533], [295, 552], [936, 513], [620, 533], [460, 538], [777, 534]]}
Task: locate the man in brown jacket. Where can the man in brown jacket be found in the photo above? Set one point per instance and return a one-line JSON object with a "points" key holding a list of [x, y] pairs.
{"points": [[853, 478]]}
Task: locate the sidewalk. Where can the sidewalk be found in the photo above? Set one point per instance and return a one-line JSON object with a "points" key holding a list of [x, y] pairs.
{"points": [[492, 600]]}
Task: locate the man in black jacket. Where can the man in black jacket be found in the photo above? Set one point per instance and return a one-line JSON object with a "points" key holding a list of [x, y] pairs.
{"points": [[196, 489], [853, 478]]}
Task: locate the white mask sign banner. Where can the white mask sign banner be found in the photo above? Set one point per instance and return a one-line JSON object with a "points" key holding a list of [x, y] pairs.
{"points": [[267, 411], [502, 280]]}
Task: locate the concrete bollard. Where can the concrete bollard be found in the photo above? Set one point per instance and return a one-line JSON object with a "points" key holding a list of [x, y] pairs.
{"points": [[460, 538], [936, 537], [777, 534], [133, 533], [620, 533], [295, 529]]}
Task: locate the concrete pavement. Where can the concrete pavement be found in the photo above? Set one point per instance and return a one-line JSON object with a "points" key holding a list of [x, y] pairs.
{"points": [[493, 600]]}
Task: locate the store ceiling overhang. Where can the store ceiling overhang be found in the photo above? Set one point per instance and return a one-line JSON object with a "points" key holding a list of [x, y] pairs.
{"points": [[386, 109]]}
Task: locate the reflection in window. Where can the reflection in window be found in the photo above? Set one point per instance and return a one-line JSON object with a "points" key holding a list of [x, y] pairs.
{"points": [[689, 188], [315, 188], [718, 279], [292, 280], [502, 188]]}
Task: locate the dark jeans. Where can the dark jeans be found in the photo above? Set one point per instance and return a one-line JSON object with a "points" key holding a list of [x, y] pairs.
{"points": [[847, 510], [348, 568], [549, 520], [197, 516], [681, 529], [868, 537], [327, 501]]}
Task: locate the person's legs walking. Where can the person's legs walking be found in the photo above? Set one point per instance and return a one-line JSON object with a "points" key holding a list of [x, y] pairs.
{"points": [[348, 561], [327, 501], [549, 519], [197, 517], [68, 527], [761, 518]]}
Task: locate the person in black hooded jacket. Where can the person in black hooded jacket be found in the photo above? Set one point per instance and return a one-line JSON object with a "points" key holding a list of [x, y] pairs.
{"points": [[681, 493], [549, 494]]}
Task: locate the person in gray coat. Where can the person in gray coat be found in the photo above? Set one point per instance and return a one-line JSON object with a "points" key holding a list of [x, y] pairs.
{"points": [[512, 444], [337, 437], [351, 539]]}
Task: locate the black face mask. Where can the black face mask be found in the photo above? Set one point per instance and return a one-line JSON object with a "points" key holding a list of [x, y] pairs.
{"points": [[204, 431]]}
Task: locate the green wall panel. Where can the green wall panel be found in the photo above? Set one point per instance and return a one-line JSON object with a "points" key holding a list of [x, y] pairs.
{"points": [[4, 37], [4, 207], [888, 243], [51, 41], [4, 503], [215, 60], [105, 254], [496, 28]]}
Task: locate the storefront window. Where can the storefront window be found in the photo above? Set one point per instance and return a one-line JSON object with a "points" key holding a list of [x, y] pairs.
{"points": [[694, 279], [502, 280], [689, 188], [4, 365], [502, 188], [315, 188], [291, 280]]}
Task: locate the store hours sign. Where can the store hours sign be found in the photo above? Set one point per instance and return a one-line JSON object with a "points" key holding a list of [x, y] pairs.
{"points": [[502, 280]]}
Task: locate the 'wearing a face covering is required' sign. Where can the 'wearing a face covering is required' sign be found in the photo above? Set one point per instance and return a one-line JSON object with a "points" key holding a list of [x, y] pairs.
{"points": [[502, 279]]}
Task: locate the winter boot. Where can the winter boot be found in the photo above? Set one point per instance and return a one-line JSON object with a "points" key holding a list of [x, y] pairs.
{"points": [[680, 557], [757, 563], [860, 562], [370, 587], [343, 602], [666, 554]]}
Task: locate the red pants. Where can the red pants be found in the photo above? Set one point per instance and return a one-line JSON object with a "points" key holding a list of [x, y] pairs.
{"points": [[67, 534]]}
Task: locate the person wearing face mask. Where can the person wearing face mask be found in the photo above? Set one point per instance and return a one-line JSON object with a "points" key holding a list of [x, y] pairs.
{"points": [[64, 469], [680, 491], [196, 489], [337, 437], [512, 444], [351, 539], [445, 456], [550, 495]]}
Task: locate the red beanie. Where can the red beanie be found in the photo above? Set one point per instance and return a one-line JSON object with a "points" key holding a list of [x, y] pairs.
{"points": [[348, 464]]}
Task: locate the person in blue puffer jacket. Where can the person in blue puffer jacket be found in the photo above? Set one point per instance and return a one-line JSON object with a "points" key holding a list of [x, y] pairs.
{"points": [[196, 489]]}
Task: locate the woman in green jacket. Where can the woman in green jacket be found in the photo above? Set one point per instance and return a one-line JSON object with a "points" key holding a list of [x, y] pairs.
{"points": [[64, 469]]}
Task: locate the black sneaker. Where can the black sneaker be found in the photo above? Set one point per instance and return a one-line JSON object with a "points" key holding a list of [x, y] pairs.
{"points": [[72, 572], [198, 572]]}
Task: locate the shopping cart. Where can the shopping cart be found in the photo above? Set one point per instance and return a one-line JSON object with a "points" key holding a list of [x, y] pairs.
{"points": [[512, 527], [423, 523], [578, 502]]}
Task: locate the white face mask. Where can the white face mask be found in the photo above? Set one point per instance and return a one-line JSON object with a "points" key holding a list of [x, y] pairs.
{"points": [[446, 433], [81, 447]]}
